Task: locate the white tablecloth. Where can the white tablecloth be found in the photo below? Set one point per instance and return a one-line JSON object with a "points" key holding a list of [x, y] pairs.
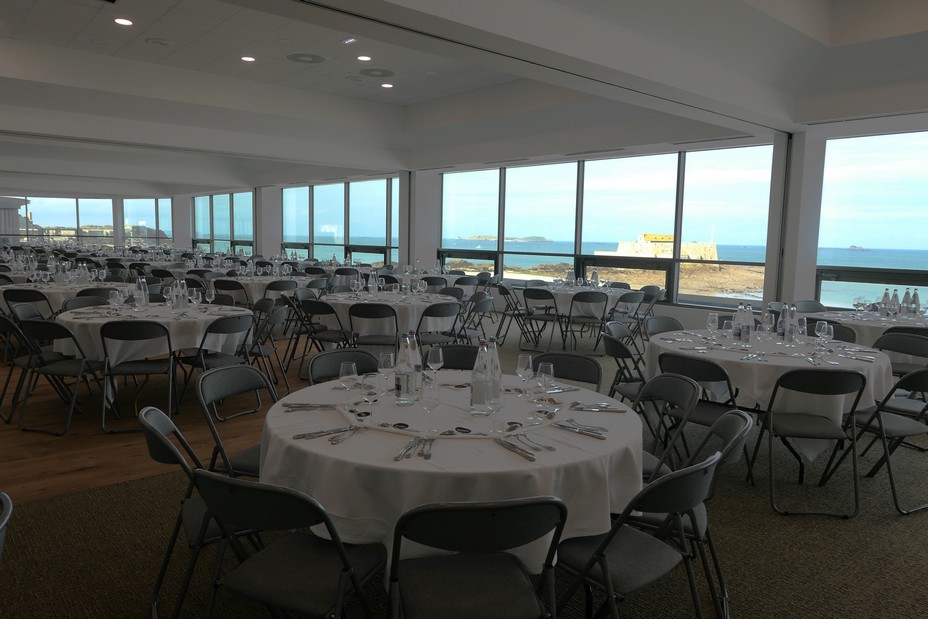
{"points": [[365, 490], [186, 329], [564, 295], [255, 286], [57, 294], [755, 379], [869, 325]]}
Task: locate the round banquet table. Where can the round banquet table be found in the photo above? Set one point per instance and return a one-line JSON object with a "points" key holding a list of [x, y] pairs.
{"points": [[57, 293], [755, 379], [869, 325], [255, 286], [563, 296], [408, 310], [365, 490], [186, 329]]}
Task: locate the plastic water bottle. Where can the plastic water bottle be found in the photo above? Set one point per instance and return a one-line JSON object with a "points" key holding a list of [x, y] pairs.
{"points": [[906, 301], [916, 305], [594, 279], [408, 372], [894, 302], [736, 322], [480, 382]]}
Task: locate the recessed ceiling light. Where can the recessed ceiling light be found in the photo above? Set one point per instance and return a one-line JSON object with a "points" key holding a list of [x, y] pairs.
{"points": [[386, 85], [364, 58], [122, 21], [349, 40], [248, 58]]}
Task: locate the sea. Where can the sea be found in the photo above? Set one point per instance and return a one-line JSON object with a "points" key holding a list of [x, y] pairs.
{"points": [[834, 294]]}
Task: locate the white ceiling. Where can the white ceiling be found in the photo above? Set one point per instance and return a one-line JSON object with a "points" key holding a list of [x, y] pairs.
{"points": [[167, 106]]}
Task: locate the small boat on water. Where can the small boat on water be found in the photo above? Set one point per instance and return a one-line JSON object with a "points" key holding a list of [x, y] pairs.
{"points": [[857, 248]]}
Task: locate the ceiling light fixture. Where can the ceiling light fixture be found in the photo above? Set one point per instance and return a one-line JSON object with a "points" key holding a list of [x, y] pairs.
{"points": [[122, 21], [364, 58], [248, 58], [349, 40], [386, 85]]}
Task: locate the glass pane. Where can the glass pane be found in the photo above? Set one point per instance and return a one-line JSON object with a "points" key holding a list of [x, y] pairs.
{"points": [[547, 268], [298, 253], [138, 218], [243, 214], [627, 202], [541, 206], [367, 210], [57, 216], [222, 217], [721, 280], [201, 229], [329, 252], [26, 226], [329, 214], [470, 210], [871, 185], [726, 198], [470, 266], [394, 256], [635, 278], [842, 294], [394, 212], [96, 217], [375, 260], [296, 214], [165, 225], [221, 246]]}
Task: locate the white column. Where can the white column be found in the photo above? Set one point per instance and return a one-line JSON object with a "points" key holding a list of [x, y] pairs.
{"points": [[269, 213], [182, 220], [424, 214]]}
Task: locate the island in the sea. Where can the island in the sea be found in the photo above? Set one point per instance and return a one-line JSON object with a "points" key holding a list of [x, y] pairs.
{"points": [[514, 239]]}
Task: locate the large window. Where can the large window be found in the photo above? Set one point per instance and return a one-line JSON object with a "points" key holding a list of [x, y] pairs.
{"points": [[147, 221], [356, 218], [629, 210], [224, 222], [64, 220], [871, 234]]}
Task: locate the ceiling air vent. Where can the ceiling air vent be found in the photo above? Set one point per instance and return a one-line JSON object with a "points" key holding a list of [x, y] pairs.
{"points": [[505, 161], [594, 152]]}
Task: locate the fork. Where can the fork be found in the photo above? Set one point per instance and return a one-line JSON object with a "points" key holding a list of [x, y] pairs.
{"points": [[344, 436], [530, 441], [586, 427]]}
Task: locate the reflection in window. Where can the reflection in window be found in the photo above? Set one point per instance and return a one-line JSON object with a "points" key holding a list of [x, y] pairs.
{"points": [[84, 220], [470, 210], [224, 222], [243, 216], [394, 213], [541, 206], [367, 209], [201, 218], [329, 214], [525, 266], [296, 215], [626, 199], [165, 224], [143, 221]]}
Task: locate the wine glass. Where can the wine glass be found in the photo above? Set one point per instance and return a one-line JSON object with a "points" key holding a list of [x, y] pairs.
{"points": [[524, 370], [828, 334], [210, 294], [370, 389], [769, 322], [495, 403], [430, 400], [396, 289], [195, 297], [820, 332], [712, 322], [114, 299], [435, 360], [347, 375], [547, 370]]}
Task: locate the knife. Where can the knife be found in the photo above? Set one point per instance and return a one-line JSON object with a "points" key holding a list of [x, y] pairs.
{"points": [[589, 433], [319, 433], [402, 454], [515, 449]]}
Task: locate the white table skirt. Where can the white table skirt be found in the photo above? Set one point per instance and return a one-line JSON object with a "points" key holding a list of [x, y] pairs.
{"points": [[186, 330], [869, 325], [365, 490]]}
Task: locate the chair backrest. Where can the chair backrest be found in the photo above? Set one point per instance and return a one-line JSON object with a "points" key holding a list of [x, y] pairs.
{"points": [[25, 311], [481, 527], [597, 299], [13, 296], [253, 505], [903, 343], [325, 365], [654, 325], [572, 366], [135, 331], [677, 492], [231, 380], [102, 292], [435, 280], [451, 291], [538, 296], [6, 511], [673, 390], [79, 302], [281, 285], [623, 285], [467, 280], [701, 370], [729, 432], [459, 356], [441, 310], [808, 306], [827, 382], [913, 382], [923, 331], [5, 279], [615, 348], [166, 444]]}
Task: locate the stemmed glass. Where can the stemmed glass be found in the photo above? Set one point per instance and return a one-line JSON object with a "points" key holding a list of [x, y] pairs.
{"points": [[430, 400], [435, 360], [195, 297], [347, 375], [828, 334], [546, 369], [210, 294], [495, 403], [385, 364], [114, 300], [820, 332], [370, 388], [524, 370]]}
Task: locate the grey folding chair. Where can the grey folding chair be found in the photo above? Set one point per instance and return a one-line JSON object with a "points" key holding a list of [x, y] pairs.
{"points": [[839, 385], [379, 317], [209, 356], [540, 312], [101, 292], [459, 356], [572, 366], [446, 312], [6, 511], [514, 312], [81, 302], [665, 397], [298, 571], [235, 289], [219, 385], [628, 378], [809, 306], [36, 298], [480, 579], [655, 325], [588, 311], [625, 559], [908, 345], [325, 365]]}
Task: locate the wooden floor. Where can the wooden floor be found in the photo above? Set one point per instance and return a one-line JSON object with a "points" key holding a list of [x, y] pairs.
{"points": [[34, 465]]}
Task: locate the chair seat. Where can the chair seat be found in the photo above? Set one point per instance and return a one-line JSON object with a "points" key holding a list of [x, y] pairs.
{"points": [[901, 368], [376, 340], [141, 366], [466, 586], [894, 425], [905, 406], [299, 572], [245, 462], [649, 464], [656, 558], [806, 425], [432, 339], [704, 413], [69, 367], [629, 390], [212, 360]]}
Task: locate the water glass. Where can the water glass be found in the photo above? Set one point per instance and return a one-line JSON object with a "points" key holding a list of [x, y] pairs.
{"points": [[746, 332], [727, 329], [430, 400], [712, 322], [347, 375], [524, 370], [547, 370]]}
